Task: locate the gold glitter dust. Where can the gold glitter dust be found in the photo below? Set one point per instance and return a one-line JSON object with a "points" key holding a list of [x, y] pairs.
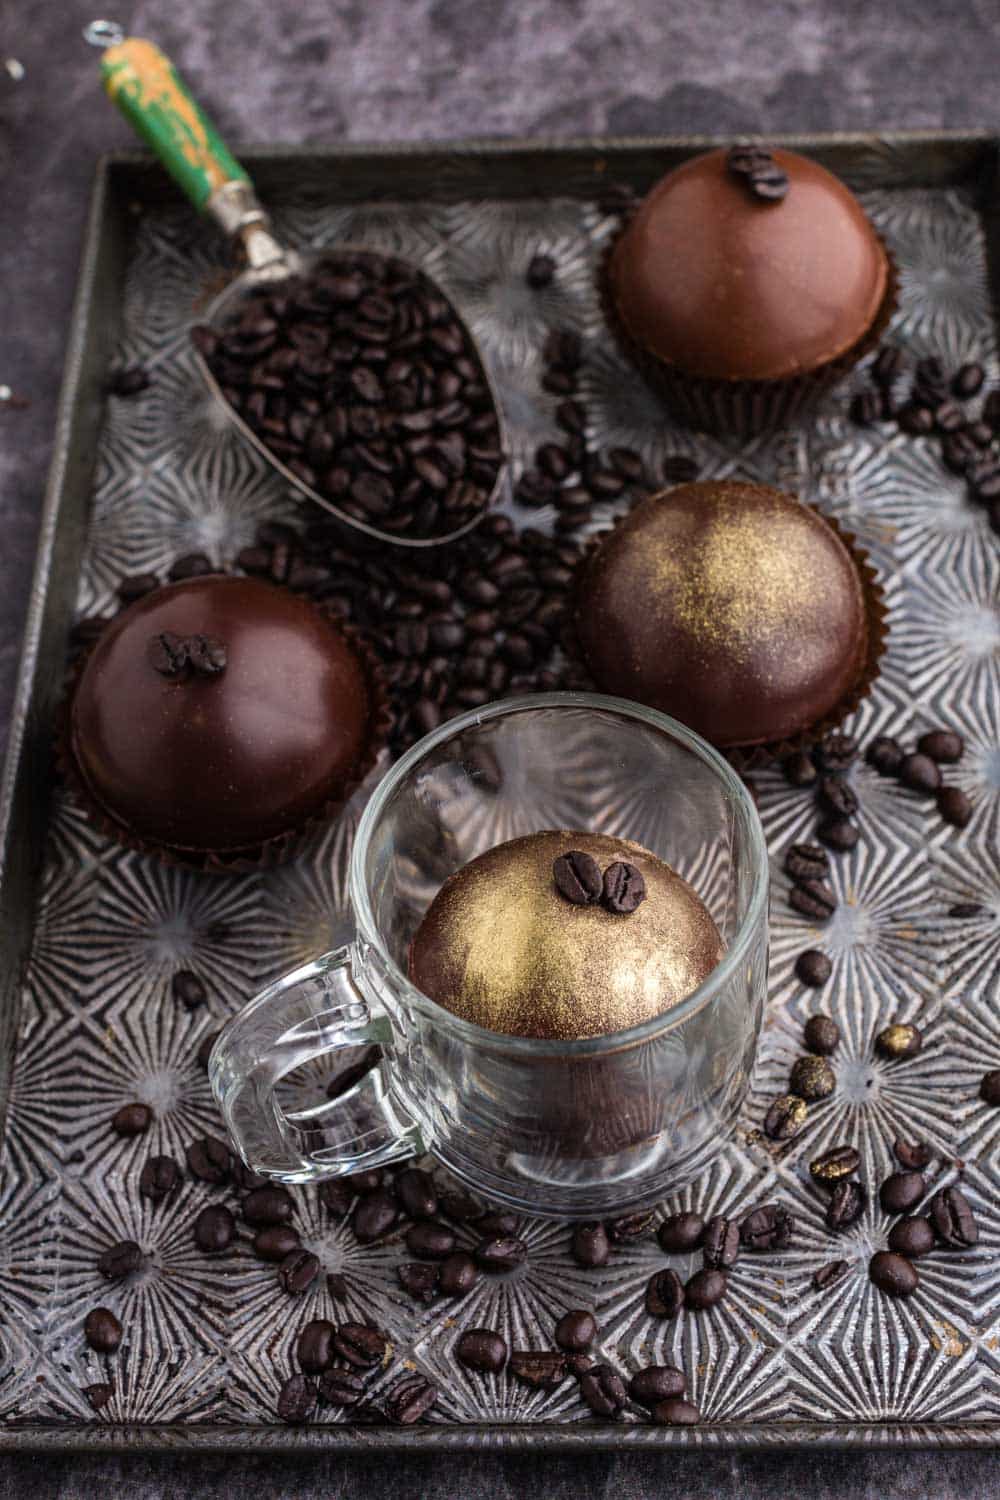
{"points": [[501, 947]]}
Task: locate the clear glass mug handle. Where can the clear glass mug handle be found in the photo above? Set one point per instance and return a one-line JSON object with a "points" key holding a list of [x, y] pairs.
{"points": [[312, 1012]]}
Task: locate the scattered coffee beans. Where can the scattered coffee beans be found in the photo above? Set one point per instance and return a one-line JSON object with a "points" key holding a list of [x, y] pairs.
{"points": [[807, 862], [901, 1191], [540, 1369], [603, 1390], [341, 1387], [812, 1078], [989, 1088], [416, 1193], [314, 1348], [482, 1350], [214, 1229], [920, 774], [275, 1243], [298, 1271], [458, 1275], [159, 1177], [630, 1227], [813, 968], [664, 1294], [942, 745], [721, 1243], [911, 1236], [704, 1289], [955, 806], [814, 899], [769, 1227], [914, 1156], [821, 1035], [886, 755], [98, 1394], [846, 1205], [785, 1118], [210, 1160], [953, 1220], [361, 1346], [132, 1120], [590, 1246], [496, 1256], [296, 1400], [421, 1279], [374, 1215], [834, 1164], [102, 1330], [893, 1274], [899, 1041], [827, 1276], [410, 1399], [576, 1331], [676, 1413], [189, 989], [268, 1205], [120, 1260], [680, 1233], [656, 1383]]}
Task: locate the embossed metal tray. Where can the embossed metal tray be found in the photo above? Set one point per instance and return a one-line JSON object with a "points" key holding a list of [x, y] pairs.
{"points": [[91, 934]]}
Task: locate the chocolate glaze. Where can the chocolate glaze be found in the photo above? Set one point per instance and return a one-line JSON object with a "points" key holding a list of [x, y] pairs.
{"points": [[500, 946], [728, 287], [224, 761], [730, 606]]}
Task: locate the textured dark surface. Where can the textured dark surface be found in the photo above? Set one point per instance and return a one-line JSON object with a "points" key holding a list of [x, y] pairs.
{"points": [[433, 68]]}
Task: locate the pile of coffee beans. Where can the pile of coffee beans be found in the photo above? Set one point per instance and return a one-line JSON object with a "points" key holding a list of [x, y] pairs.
{"points": [[919, 769], [935, 404], [363, 380], [720, 1239]]}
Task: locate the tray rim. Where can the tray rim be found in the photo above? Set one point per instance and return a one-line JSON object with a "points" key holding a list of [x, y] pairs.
{"points": [[252, 1438]]}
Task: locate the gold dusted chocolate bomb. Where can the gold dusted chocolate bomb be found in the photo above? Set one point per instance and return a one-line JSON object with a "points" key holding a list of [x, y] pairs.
{"points": [[730, 606], [501, 946]]}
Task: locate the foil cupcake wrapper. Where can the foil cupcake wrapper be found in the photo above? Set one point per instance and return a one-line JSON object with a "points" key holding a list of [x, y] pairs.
{"points": [[273, 851], [745, 758], [739, 408]]}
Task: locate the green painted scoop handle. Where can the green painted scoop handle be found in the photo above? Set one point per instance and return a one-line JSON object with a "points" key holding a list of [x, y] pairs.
{"points": [[152, 97]]}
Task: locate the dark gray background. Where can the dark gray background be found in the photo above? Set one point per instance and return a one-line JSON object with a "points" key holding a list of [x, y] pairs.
{"points": [[324, 70]]}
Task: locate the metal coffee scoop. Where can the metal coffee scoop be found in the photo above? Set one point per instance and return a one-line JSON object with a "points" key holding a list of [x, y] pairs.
{"points": [[153, 98]]}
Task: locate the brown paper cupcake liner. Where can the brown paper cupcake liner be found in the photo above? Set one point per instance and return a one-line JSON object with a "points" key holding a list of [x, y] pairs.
{"points": [[739, 408], [745, 758], [273, 851]]}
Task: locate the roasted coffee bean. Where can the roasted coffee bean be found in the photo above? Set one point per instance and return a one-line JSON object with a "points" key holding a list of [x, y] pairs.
{"points": [[834, 1164], [893, 1274], [430, 1241], [603, 1390], [846, 1205], [807, 862], [563, 349], [676, 1412], [899, 1041], [721, 1243], [578, 878], [336, 1196], [366, 1182], [374, 1215], [867, 407], [630, 1227], [624, 888], [136, 587], [799, 769], [296, 1400], [102, 1330], [888, 365], [497, 1224], [968, 380], [664, 1294], [541, 1369], [901, 1191], [913, 1156], [191, 565], [132, 1120], [989, 1088], [826, 1276], [188, 989], [704, 1289], [769, 1227], [911, 1236], [955, 807], [812, 1078], [482, 1350], [960, 452], [627, 463], [680, 1233], [341, 1387], [361, 1346], [458, 1274], [942, 745], [821, 1035], [838, 797], [919, 773], [541, 269], [885, 755], [209, 1160], [966, 909], [120, 1260], [205, 1046], [275, 1243], [129, 381], [495, 1256], [948, 417], [416, 1193], [679, 468], [953, 1220], [813, 898], [576, 1331], [421, 1279], [589, 1245], [214, 1229], [159, 1177], [245, 1180], [98, 1394], [656, 1383], [838, 834], [298, 1271], [813, 968], [268, 1205], [915, 419], [785, 1117]]}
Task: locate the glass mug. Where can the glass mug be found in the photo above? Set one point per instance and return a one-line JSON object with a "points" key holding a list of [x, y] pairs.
{"points": [[578, 1129]]}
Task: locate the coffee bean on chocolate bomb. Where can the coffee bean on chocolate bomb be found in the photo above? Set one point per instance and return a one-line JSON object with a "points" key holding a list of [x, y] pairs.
{"points": [[680, 1233], [603, 1390], [160, 1175], [899, 1041], [955, 806], [624, 888], [821, 1035], [885, 755], [541, 1369], [420, 1279], [806, 862], [911, 1236], [721, 1243], [296, 1400], [828, 1275], [482, 1350], [901, 1191], [576, 1330], [813, 968], [785, 1117], [132, 1120], [664, 1294], [578, 877], [590, 1246], [893, 1274], [102, 1330], [814, 899], [812, 1078], [953, 1220]]}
